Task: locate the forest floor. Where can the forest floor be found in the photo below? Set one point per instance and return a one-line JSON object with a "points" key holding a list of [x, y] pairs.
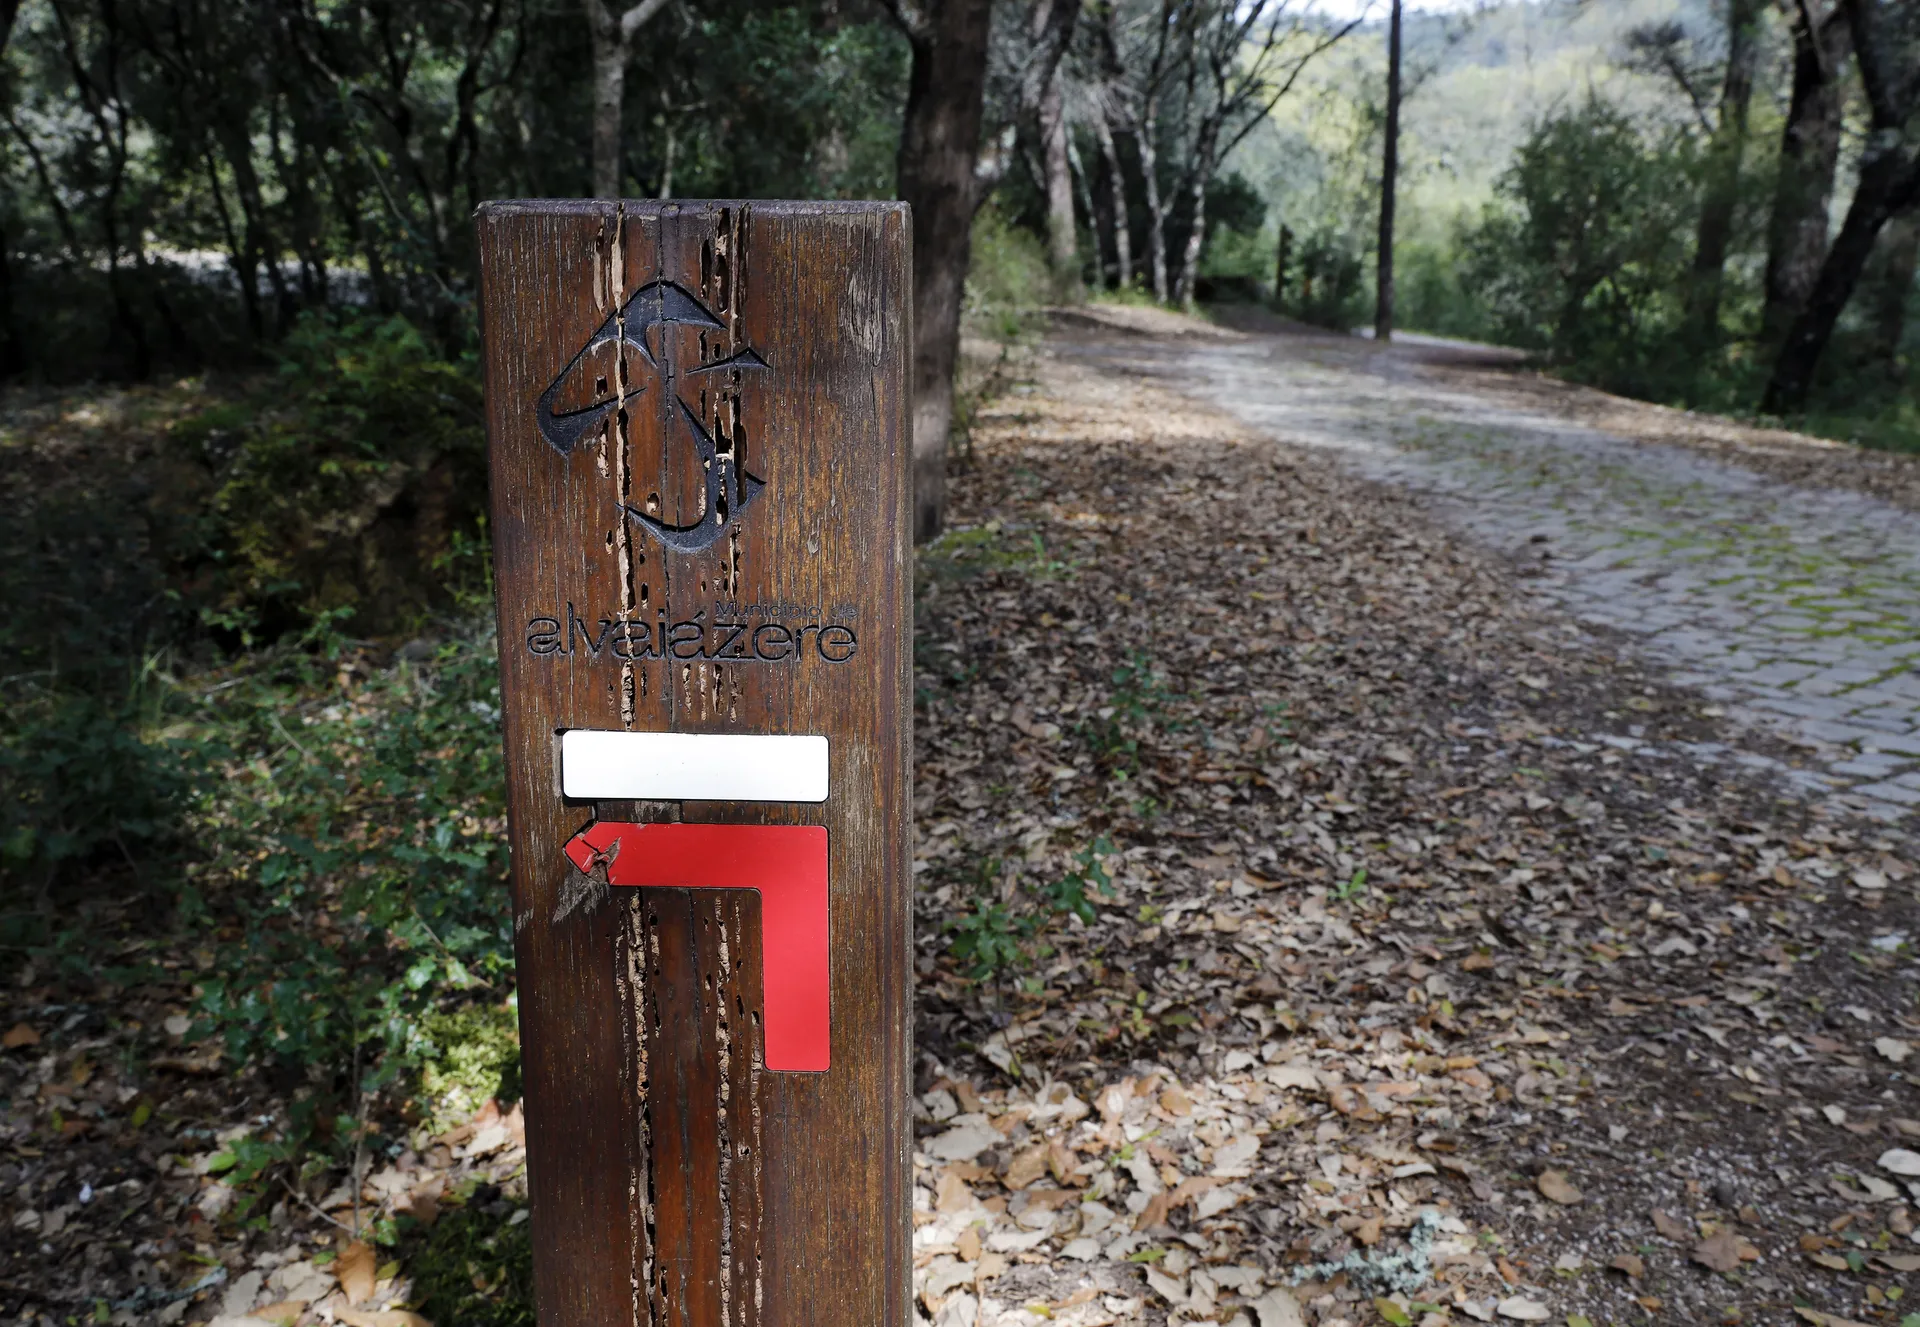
{"points": [[1450, 958]]}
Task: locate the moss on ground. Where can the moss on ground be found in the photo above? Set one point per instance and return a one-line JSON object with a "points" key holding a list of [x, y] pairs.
{"points": [[475, 1056]]}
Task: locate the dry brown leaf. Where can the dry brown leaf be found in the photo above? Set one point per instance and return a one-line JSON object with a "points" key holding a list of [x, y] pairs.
{"points": [[1630, 1263], [20, 1034], [1670, 1226], [384, 1318], [1723, 1251], [355, 1267], [952, 1195], [1027, 1167], [287, 1310], [1819, 1319], [1175, 1101], [1555, 1187]]}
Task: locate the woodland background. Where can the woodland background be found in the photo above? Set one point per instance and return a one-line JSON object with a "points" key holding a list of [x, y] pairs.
{"points": [[244, 566]]}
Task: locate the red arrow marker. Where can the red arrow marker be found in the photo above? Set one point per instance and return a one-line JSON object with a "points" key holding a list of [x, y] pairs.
{"points": [[787, 864]]}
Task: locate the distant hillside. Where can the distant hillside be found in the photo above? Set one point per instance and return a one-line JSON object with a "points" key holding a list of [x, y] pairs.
{"points": [[1478, 81]]}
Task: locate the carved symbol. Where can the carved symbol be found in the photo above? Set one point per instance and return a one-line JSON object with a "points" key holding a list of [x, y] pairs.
{"points": [[729, 489], [787, 864]]}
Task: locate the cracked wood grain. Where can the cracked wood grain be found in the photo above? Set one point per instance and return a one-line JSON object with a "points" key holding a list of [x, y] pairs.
{"points": [[729, 384]]}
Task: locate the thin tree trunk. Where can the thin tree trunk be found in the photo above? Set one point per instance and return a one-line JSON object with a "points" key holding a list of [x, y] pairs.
{"points": [[1389, 178], [1722, 193], [612, 42], [1803, 189], [1078, 167], [1144, 133], [609, 95], [1282, 260], [1901, 243], [1196, 242], [1117, 190], [939, 141], [1062, 242], [1889, 183]]}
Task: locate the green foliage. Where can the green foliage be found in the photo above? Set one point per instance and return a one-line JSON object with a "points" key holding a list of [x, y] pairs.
{"points": [[1326, 284], [473, 1267], [1137, 703], [353, 861], [83, 778], [1075, 891], [1584, 251], [340, 481], [990, 938], [1007, 278], [469, 1056]]}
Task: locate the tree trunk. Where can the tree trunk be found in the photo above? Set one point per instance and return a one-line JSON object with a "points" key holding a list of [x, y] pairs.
{"points": [[939, 140], [1203, 168], [1156, 215], [609, 94], [612, 41], [1282, 259], [1078, 167], [1062, 242], [1901, 245], [1803, 189], [1889, 183], [1721, 194], [1389, 178], [1117, 187]]}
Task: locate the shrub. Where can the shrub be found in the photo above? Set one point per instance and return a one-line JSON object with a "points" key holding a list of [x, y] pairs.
{"points": [[338, 482], [1584, 250]]}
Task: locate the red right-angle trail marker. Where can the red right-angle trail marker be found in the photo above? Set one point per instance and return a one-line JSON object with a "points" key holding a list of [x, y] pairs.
{"points": [[787, 864]]}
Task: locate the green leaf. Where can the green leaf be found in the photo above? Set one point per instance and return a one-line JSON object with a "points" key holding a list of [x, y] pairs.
{"points": [[1392, 1312], [222, 1161]]}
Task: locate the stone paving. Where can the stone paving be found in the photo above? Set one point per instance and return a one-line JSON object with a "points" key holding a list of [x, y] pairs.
{"points": [[1796, 609]]}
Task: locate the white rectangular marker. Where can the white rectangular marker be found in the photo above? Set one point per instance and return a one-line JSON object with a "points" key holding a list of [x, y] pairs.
{"points": [[692, 767]]}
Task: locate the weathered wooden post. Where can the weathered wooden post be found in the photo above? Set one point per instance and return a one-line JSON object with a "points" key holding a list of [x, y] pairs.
{"points": [[697, 416]]}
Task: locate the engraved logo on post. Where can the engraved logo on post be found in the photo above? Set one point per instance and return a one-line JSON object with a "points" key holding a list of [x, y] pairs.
{"points": [[729, 489]]}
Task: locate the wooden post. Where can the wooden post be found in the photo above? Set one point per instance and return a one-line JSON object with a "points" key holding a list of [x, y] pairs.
{"points": [[698, 422]]}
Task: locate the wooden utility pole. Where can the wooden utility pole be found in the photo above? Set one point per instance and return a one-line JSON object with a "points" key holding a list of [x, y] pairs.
{"points": [[697, 415], [1389, 177]]}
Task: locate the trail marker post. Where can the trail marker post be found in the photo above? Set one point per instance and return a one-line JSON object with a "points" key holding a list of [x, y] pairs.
{"points": [[697, 424]]}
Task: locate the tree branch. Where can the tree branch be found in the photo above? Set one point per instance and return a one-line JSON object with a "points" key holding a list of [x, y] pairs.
{"points": [[636, 18]]}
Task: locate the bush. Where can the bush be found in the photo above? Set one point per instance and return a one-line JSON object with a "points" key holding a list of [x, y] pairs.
{"points": [[1584, 251], [1007, 280], [354, 860], [1325, 285], [339, 482]]}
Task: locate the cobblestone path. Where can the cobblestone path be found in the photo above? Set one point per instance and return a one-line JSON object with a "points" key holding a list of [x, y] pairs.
{"points": [[1795, 608]]}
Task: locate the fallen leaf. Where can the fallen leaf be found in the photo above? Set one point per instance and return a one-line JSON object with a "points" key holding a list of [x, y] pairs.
{"points": [[1670, 1226], [384, 1318], [1522, 1309], [1900, 1161], [1892, 1048], [1027, 1167], [1630, 1263], [1278, 1308], [1819, 1319], [1831, 1261], [1392, 1313], [20, 1034], [1723, 1251], [287, 1310], [1555, 1187], [355, 1267]]}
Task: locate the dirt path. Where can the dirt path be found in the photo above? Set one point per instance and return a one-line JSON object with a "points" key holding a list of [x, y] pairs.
{"points": [[1778, 576], [1401, 996]]}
